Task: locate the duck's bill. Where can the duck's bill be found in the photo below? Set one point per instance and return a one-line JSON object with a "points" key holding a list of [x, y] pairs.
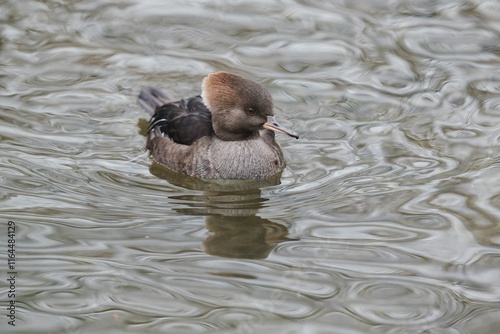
{"points": [[274, 125]]}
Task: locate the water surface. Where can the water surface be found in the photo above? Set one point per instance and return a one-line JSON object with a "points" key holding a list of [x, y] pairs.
{"points": [[386, 219]]}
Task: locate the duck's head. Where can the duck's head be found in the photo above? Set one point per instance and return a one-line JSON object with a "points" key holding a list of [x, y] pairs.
{"points": [[239, 107]]}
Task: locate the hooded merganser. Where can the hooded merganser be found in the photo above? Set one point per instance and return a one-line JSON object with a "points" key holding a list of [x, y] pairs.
{"points": [[226, 133]]}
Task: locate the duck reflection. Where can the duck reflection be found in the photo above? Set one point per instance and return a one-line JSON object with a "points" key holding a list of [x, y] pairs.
{"points": [[230, 209]]}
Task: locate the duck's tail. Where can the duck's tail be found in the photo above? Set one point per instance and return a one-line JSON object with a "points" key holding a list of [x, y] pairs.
{"points": [[151, 99]]}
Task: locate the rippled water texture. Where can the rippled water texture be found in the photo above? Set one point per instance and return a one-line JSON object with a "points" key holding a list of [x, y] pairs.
{"points": [[387, 216]]}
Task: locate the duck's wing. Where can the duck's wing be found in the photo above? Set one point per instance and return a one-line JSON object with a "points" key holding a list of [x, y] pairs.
{"points": [[183, 121]]}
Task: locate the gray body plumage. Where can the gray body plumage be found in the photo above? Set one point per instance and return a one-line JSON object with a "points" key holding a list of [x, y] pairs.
{"points": [[226, 133], [213, 158]]}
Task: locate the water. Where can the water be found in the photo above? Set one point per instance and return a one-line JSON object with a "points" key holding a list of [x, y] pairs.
{"points": [[386, 219]]}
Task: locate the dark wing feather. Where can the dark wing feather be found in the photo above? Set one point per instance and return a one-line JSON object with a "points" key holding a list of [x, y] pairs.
{"points": [[184, 121]]}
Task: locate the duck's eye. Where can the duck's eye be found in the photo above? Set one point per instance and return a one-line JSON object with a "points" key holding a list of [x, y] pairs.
{"points": [[250, 111]]}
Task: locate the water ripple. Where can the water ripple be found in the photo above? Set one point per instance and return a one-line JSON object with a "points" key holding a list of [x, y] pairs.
{"points": [[395, 303]]}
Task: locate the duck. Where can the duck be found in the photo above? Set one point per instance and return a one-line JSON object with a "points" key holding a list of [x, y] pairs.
{"points": [[227, 132]]}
